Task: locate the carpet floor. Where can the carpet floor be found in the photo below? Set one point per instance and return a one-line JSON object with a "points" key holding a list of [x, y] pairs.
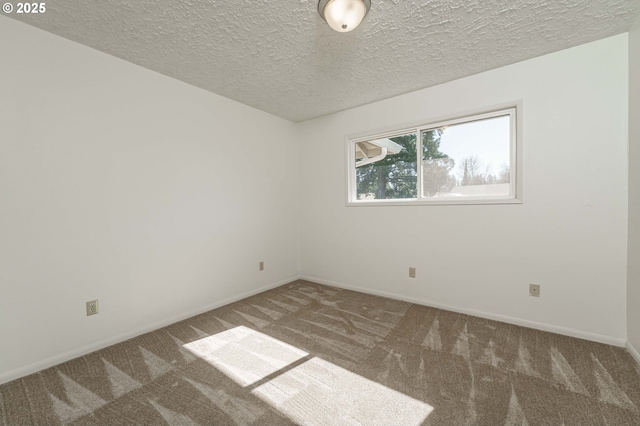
{"points": [[310, 354]]}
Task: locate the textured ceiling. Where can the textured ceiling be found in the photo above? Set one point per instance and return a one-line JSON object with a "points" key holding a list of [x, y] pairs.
{"points": [[282, 58]]}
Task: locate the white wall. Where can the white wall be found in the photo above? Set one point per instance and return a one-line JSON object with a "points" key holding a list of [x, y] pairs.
{"points": [[117, 183], [569, 235], [633, 269]]}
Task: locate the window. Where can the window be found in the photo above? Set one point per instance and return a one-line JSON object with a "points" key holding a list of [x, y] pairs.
{"points": [[471, 160]]}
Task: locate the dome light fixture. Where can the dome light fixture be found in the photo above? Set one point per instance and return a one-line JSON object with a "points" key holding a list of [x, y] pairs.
{"points": [[343, 15]]}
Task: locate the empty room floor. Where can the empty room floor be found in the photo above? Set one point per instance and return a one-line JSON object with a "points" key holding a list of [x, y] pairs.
{"points": [[306, 353]]}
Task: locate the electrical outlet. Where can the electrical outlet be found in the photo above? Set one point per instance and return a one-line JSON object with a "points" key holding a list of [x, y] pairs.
{"points": [[534, 290], [412, 272], [261, 266], [92, 307]]}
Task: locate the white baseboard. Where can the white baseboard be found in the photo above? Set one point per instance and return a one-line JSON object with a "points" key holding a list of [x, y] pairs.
{"points": [[75, 353], [55, 360], [600, 338], [633, 352]]}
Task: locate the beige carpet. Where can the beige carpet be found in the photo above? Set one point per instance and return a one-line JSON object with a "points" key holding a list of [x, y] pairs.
{"points": [[310, 354]]}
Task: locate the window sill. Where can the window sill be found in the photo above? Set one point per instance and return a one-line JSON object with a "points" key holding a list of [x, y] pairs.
{"points": [[439, 202]]}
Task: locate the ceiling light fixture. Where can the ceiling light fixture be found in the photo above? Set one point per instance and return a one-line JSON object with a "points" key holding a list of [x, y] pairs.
{"points": [[343, 15]]}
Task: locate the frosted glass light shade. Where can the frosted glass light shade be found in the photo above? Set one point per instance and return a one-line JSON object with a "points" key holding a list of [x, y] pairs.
{"points": [[343, 15]]}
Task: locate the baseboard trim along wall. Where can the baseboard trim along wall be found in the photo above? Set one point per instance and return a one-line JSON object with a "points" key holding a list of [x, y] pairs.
{"points": [[633, 352], [58, 359], [503, 318]]}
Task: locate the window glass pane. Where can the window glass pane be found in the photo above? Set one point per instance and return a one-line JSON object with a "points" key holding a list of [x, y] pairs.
{"points": [[386, 168], [467, 159]]}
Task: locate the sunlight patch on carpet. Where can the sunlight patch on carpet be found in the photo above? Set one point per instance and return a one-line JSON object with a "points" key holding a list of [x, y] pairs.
{"points": [[314, 391], [323, 393], [245, 355]]}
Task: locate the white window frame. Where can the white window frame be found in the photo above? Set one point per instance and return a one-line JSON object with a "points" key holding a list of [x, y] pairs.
{"points": [[515, 152]]}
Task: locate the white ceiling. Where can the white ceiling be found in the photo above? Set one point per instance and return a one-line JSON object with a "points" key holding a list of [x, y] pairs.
{"points": [[282, 58]]}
